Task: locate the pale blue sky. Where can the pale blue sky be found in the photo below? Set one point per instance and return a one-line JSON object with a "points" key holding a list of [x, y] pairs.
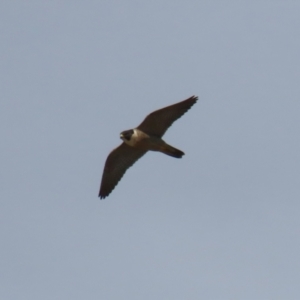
{"points": [[222, 222]]}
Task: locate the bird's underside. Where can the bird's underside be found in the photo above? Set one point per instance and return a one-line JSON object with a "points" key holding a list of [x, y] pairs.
{"points": [[136, 142]]}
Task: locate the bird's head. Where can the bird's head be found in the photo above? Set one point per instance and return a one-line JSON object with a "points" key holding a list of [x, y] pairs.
{"points": [[126, 135]]}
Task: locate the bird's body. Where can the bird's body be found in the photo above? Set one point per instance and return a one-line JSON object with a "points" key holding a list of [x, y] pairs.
{"points": [[141, 140], [136, 142]]}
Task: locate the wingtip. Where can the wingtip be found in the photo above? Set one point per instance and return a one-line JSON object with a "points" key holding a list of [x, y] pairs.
{"points": [[190, 101], [193, 99], [102, 197]]}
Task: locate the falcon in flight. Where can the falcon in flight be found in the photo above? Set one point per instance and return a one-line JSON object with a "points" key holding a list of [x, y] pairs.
{"points": [[136, 142]]}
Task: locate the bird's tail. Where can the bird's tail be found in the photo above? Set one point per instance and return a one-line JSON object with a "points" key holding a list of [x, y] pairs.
{"points": [[169, 150]]}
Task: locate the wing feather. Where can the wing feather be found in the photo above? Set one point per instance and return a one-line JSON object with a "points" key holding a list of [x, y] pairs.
{"points": [[117, 163], [160, 120]]}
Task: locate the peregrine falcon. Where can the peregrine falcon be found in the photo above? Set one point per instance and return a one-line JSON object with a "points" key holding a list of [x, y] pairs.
{"points": [[136, 142]]}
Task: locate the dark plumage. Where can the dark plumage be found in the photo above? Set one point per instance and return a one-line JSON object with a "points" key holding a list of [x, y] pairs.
{"points": [[160, 120]]}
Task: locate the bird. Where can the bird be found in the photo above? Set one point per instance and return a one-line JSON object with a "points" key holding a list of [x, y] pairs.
{"points": [[138, 141]]}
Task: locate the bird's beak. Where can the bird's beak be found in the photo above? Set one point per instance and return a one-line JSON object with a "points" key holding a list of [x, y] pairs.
{"points": [[121, 136]]}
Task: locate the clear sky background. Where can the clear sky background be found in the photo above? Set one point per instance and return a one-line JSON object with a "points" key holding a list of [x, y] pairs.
{"points": [[221, 223]]}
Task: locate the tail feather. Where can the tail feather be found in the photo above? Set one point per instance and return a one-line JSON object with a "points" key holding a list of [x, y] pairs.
{"points": [[171, 151]]}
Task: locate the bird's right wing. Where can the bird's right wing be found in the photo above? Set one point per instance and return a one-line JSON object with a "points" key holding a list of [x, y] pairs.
{"points": [[117, 163]]}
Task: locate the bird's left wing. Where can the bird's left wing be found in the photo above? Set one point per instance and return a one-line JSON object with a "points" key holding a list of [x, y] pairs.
{"points": [[160, 120], [117, 163]]}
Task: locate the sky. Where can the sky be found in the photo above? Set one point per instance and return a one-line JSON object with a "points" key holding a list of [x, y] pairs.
{"points": [[220, 223]]}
